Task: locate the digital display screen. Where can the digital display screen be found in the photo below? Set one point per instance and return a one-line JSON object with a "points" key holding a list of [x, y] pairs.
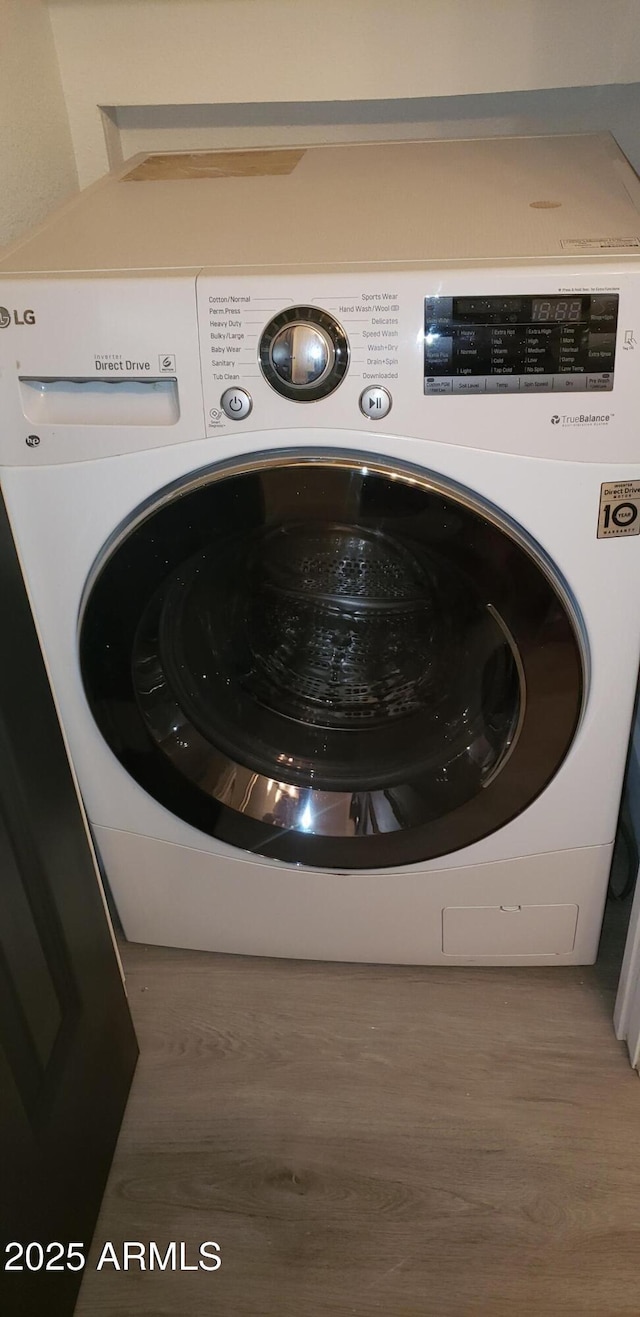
{"points": [[559, 309], [527, 344]]}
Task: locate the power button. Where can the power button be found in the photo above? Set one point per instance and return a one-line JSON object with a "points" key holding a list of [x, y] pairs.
{"points": [[236, 404]]}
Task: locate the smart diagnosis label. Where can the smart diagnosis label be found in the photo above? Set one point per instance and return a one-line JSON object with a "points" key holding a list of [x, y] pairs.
{"points": [[619, 509]]}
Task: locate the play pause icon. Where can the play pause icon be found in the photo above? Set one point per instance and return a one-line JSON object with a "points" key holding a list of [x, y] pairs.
{"points": [[375, 403]]}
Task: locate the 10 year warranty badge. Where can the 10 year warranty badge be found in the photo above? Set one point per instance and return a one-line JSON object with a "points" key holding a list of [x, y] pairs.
{"points": [[619, 509]]}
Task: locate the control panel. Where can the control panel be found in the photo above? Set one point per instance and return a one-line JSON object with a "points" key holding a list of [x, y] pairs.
{"points": [[379, 353], [263, 351], [384, 353], [529, 344]]}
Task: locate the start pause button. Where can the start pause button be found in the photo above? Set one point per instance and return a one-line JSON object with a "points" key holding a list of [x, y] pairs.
{"points": [[619, 509], [375, 403]]}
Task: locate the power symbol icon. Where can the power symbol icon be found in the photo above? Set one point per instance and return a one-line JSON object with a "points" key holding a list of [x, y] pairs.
{"points": [[236, 404]]}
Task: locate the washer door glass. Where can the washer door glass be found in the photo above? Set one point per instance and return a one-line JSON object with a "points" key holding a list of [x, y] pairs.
{"points": [[333, 664]]}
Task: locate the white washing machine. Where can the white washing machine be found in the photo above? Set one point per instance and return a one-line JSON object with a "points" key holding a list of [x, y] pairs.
{"points": [[324, 471]]}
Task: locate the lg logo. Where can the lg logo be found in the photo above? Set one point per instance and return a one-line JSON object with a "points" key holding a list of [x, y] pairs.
{"points": [[26, 318]]}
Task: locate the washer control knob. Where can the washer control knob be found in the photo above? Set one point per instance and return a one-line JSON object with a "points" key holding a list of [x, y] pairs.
{"points": [[304, 353], [375, 403], [236, 404]]}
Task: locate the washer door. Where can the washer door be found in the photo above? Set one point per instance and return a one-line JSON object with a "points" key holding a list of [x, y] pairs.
{"points": [[333, 664]]}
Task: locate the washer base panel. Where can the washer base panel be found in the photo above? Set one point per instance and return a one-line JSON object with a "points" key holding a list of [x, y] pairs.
{"points": [[536, 910]]}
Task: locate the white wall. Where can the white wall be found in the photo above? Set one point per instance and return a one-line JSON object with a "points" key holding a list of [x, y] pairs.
{"points": [[615, 108], [37, 165], [223, 52]]}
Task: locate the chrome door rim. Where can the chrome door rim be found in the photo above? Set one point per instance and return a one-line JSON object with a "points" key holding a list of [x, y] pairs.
{"points": [[310, 811]]}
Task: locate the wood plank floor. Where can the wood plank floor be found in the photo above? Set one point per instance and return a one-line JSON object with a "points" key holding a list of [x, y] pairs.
{"points": [[376, 1140]]}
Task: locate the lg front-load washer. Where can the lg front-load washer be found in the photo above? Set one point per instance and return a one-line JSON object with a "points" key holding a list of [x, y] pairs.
{"points": [[324, 473]]}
